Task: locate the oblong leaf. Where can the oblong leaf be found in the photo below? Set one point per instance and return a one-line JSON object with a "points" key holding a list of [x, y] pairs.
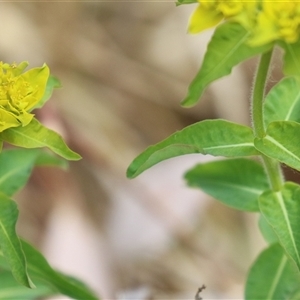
{"points": [[279, 143], [9, 242], [282, 211], [215, 137], [38, 267], [231, 39], [235, 182], [35, 135], [272, 276], [283, 101]]}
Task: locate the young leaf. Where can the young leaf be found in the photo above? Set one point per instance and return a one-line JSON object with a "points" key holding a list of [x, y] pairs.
{"points": [[38, 267], [291, 60], [281, 143], [215, 137], [272, 276], [231, 39], [52, 83], [35, 135], [9, 242], [11, 290], [234, 182], [282, 211], [283, 102]]}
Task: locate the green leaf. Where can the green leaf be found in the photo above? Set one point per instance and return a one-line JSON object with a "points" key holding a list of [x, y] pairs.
{"points": [[11, 290], [267, 231], [283, 102], [291, 60], [281, 143], [235, 182], [180, 2], [35, 135], [52, 83], [39, 268], [226, 49], [282, 211], [272, 276], [15, 168], [215, 137], [9, 242]]}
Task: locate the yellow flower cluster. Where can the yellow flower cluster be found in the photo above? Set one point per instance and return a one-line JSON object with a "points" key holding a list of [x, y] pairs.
{"points": [[267, 20], [19, 93]]}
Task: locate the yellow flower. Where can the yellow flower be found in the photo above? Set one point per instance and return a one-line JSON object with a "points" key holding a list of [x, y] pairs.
{"points": [[209, 13], [19, 93], [278, 20], [266, 20]]}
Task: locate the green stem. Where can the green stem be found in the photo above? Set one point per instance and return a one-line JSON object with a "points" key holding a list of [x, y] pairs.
{"points": [[259, 94], [272, 166]]}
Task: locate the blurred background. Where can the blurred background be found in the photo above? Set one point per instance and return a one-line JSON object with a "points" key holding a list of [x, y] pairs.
{"points": [[124, 67]]}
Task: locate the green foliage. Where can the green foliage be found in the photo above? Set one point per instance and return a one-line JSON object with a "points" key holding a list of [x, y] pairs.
{"points": [[283, 102], [20, 263], [35, 135], [39, 268], [243, 183], [282, 210], [279, 143], [11, 291], [231, 38], [10, 243], [235, 182], [215, 137], [272, 276]]}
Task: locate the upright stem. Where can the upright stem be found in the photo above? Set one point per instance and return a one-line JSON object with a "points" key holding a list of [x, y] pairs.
{"points": [[259, 94], [272, 166]]}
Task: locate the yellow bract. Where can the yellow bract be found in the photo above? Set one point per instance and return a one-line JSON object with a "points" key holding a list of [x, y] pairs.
{"points": [[266, 20], [20, 92]]}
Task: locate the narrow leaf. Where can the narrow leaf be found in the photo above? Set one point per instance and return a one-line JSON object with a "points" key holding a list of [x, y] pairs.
{"points": [[283, 102], [235, 182], [282, 211], [35, 135], [231, 38], [9, 242], [215, 137], [272, 276], [281, 143], [38, 267], [291, 60]]}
